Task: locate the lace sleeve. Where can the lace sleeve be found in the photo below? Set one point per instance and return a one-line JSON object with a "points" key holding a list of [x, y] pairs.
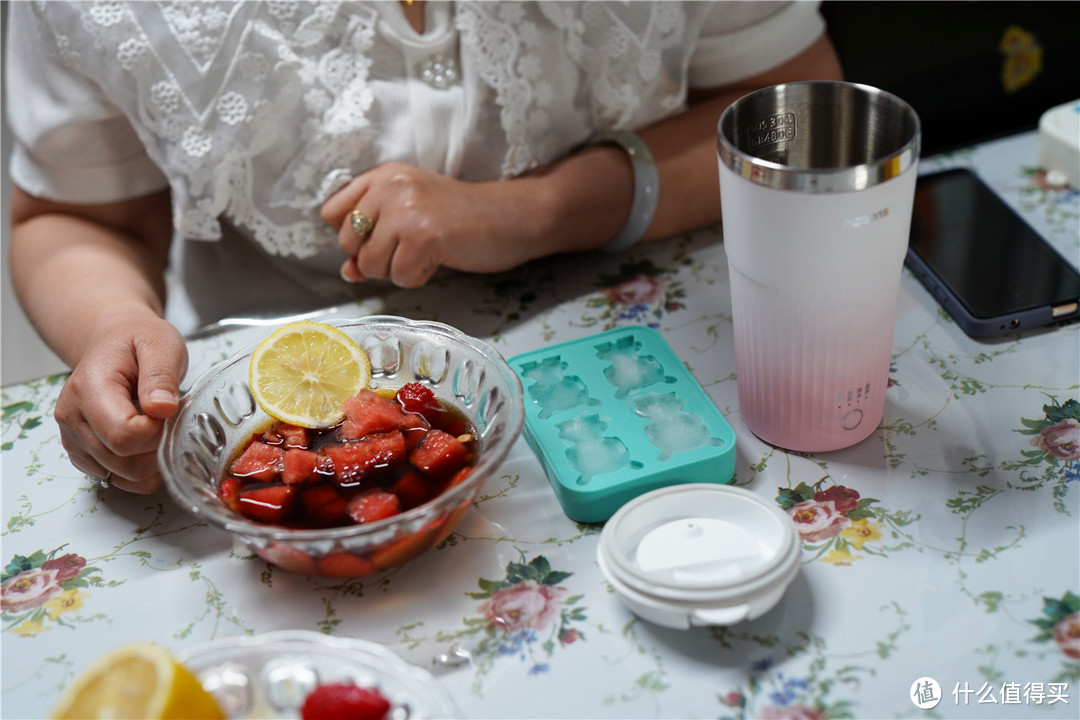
{"points": [[70, 143]]}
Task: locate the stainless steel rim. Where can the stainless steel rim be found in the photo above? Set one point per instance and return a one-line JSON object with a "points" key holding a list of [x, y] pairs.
{"points": [[818, 137]]}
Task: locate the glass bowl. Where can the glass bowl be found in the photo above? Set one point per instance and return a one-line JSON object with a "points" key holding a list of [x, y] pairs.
{"points": [[219, 414], [270, 675]]}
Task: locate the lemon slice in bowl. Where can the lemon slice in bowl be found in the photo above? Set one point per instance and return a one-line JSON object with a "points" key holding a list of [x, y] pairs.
{"points": [[304, 371], [138, 680]]}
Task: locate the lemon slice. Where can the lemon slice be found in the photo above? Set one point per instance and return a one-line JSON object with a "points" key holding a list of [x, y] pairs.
{"points": [[304, 371], [140, 680]]}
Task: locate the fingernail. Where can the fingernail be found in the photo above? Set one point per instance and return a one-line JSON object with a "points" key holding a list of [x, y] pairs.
{"points": [[163, 396]]}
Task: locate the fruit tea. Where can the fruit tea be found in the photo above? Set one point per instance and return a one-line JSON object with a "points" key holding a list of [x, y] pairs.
{"points": [[394, 450]]}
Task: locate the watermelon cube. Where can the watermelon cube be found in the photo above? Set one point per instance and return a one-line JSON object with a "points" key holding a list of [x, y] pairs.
{"points": [[366, 413], [259, 461], [439, 454], [364, 460]]}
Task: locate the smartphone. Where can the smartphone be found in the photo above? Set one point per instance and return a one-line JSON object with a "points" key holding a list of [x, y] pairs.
{"points": [[990, 270]]}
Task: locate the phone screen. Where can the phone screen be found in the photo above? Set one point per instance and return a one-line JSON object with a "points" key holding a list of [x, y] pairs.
{"points": [[987, 257]]}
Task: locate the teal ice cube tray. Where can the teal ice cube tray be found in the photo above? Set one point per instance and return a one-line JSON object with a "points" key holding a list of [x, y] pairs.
{"points": [[617, 414]]}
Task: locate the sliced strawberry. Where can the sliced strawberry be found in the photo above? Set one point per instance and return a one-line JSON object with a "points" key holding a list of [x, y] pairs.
{"points": [[301, 466], [412, 489], [344, 701], [344, 565], [365, 459], [267, 503], [286, 435], [419, 398], [229, 491], [439, 454], [373, 505], [367, 412], [259, 461], [324, 504]]}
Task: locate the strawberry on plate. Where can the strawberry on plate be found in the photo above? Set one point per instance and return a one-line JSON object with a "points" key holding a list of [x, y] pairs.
{"points": [[344, 701]]}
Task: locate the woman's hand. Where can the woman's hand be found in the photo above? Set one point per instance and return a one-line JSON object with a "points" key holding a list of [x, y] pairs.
{"points": [[423, 220], [111, 411], [91, 279]]}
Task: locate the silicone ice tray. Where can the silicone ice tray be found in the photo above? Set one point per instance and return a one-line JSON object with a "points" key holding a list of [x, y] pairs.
{"points": [[617, 414]]}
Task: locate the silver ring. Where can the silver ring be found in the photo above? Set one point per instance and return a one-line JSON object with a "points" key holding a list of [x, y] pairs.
{"points": [[104, 482]]}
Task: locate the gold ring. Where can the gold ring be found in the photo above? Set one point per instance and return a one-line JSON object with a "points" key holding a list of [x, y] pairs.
{"points": [[362, 225]]}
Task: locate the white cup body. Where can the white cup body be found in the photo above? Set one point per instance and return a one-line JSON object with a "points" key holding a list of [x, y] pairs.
{"points": [[815, 263], [814, 285]]}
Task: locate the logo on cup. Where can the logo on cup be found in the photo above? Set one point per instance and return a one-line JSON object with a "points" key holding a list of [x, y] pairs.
{"points": [[857, 222]]}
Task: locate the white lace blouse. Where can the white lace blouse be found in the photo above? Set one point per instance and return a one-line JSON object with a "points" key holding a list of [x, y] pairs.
{"points": [[253, 113]]}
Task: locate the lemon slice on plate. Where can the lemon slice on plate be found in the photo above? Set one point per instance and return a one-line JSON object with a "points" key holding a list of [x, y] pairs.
{"points": [[304, 371], [139, 680]]}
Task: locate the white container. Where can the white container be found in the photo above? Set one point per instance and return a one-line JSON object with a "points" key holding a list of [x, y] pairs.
{"points": [[817, 181], [699, 555]]}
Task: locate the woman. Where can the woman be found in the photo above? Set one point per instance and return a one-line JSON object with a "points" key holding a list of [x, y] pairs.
{"points": [[286, 152]]}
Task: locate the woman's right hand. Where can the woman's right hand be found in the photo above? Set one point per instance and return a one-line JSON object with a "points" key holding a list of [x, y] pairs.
{"points": [[112, 409]]}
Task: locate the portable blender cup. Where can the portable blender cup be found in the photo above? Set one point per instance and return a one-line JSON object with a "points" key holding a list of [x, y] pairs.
{"points": [[817, 181]]}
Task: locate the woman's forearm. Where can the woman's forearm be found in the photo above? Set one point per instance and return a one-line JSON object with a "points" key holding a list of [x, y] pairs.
{"points": [[589, 193], [79, 269]]}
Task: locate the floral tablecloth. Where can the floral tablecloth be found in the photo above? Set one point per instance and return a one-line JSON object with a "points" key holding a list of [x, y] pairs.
{"points": [[940, 568]]}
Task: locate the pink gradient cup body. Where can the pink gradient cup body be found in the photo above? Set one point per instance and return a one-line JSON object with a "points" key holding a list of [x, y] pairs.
{"points": [[817, 183]]}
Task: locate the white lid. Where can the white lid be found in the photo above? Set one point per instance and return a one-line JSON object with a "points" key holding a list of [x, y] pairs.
{"points": [[699, 554]]}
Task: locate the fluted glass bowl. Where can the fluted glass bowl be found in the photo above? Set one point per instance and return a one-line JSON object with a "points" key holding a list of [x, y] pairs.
{"points": [[270, 675], [218, 415]]}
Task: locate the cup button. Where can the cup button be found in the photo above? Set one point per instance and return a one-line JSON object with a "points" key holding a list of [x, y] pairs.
{"points": [[852, 419]]}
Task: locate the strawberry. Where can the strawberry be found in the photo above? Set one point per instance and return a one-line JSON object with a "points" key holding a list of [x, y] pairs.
{"points": [[344, 701], [259, 461], [344, 565], [419, 398], [439, 454], [267, 503], [368, 412], [357, 461], [324, 504], [373, 505]]}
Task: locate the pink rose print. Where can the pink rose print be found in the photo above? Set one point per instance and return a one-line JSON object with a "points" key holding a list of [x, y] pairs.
{"points": [[29, 589], [1067, 636], [818, 521], [67, 567], [844, 498], [1061, 440], [524, 605], [638, 290]]}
